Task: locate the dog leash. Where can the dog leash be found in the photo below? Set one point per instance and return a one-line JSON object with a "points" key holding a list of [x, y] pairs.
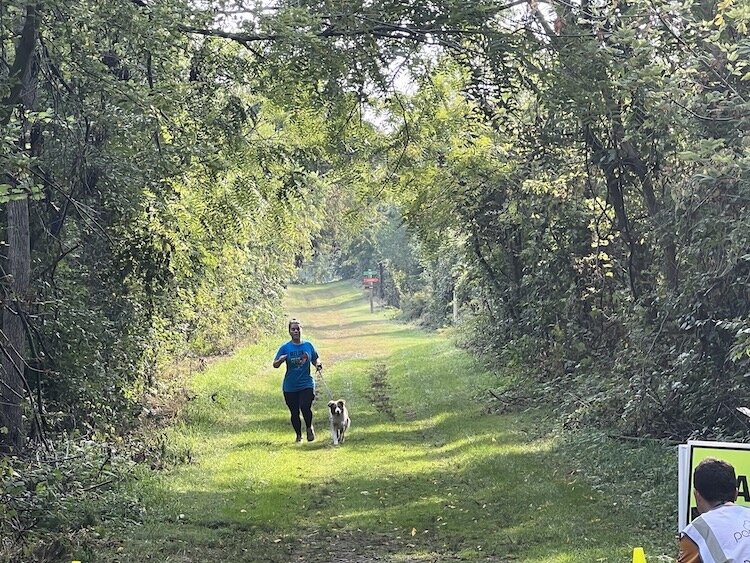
{"points": [[319, 374]]}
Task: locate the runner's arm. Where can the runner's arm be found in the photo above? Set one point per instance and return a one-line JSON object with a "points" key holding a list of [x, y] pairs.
{"points": [[280, 357]]}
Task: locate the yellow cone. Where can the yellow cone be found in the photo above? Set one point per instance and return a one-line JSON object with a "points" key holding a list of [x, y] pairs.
{"points": [[638, 555]]}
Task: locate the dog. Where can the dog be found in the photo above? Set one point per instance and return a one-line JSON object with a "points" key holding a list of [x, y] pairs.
{"points": [[340, 421]]}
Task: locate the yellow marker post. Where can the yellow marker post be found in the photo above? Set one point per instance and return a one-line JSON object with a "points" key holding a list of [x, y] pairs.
{"points": [[638, 555]]}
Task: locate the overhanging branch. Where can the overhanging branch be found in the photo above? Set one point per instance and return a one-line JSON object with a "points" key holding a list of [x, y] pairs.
{"points": [[384, 30]]}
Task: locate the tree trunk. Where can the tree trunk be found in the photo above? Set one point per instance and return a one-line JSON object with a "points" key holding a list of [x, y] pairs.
{"points": [[14, 341], [669, 246]]}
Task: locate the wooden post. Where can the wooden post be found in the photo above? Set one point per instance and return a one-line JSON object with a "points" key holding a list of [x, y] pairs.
{"points": [[455, 305], [372, 308], [381, 290]]}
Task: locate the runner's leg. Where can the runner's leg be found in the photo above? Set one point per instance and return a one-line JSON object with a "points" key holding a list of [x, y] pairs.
{"points": [[306, 397], [305, 405], [292, 400]]}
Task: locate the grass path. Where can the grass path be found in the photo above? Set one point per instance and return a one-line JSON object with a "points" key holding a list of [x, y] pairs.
{"points": [[425, 474]]}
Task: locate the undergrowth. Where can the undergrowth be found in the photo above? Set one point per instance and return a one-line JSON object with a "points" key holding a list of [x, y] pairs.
{"points": [[637, 476], [53, 500], [57, 496]]}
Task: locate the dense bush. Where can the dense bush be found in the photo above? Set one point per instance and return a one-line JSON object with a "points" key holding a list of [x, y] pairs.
{"points": [[53, 500]]}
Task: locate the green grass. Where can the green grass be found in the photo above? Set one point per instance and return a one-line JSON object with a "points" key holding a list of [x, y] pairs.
{"points": [[440, 480]]}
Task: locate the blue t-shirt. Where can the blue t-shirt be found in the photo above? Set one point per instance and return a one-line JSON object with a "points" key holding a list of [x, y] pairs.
{"points": [[299, 357]]}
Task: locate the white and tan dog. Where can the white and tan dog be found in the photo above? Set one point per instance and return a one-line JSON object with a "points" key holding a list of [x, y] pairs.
{"points": [[339, 417]]}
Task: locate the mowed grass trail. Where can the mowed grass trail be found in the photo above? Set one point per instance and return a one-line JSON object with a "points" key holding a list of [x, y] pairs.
{"points": [[425, 473]]}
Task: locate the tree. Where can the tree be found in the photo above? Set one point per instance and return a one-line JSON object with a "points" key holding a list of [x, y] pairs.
{"points": [[21, 86]]}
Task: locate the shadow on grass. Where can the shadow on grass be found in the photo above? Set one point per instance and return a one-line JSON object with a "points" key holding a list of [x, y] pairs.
{"points": [[496, 506], [337, 306], [354, 325], [370, 427], [468, 501], [456, 485], [406, 331], [265, 430]]}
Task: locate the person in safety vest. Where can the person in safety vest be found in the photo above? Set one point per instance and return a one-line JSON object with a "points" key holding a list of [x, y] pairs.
{"points": [[721, 534], [298, 386]]}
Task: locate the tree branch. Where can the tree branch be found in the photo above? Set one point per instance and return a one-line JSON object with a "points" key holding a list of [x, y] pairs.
{"points": [[682, 42], [24, 56], [385, 30]]}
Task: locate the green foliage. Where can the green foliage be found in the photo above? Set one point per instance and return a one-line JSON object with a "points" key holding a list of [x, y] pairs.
{"points": [[52, 505], [170, 203], [598, 210]]}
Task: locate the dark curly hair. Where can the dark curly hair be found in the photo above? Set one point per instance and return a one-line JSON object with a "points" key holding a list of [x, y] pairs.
{"points": [[715, 480]]}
